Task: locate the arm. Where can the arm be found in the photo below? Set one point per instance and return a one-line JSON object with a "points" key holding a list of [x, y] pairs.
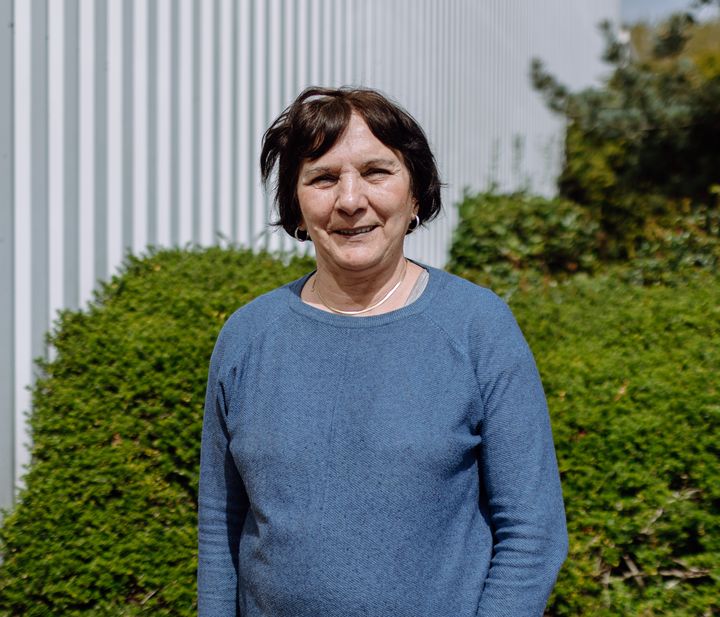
{"points": [[222, 505], [520, 481]]}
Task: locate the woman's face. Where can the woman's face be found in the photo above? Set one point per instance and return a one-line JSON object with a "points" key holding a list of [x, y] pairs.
{"points": [[356, 202]]}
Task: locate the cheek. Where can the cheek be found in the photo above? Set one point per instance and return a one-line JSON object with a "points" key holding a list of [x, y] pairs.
{"points": [[304, 201], [314, 207], [393, 199]]}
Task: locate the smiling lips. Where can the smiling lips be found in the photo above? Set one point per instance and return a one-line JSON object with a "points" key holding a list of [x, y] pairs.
{"points": [[355, 231]]}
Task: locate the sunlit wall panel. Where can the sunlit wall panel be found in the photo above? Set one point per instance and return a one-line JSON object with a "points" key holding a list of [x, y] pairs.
{"points": [[130, 123]]}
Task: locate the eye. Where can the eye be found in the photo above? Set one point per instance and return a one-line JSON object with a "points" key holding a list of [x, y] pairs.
{"points": [[323, 179], [376, 171]]}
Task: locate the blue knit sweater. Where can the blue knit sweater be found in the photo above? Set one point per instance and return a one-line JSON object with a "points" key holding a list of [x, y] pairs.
{"points": [[400, 465]]}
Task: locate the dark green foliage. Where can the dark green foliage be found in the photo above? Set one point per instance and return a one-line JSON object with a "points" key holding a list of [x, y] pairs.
{"points": [[674, 36], [107, 523], [631, 375], [509, 242], [503, 238], [685, 243], [645, 142]]}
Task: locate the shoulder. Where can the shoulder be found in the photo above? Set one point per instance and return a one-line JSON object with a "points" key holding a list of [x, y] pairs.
{"points": [[477, 319], [248, 322], [465, 304], [259, 312], [464, 290]]}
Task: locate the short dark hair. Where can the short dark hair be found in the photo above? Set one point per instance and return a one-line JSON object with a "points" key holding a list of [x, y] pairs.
{"points": [[317, 118]]}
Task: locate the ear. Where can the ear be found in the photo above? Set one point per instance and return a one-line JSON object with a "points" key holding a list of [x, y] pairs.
{"points": [[302, 225]]}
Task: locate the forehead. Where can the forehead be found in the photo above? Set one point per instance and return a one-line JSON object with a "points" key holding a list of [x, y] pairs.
{"points": [[356, 144]]}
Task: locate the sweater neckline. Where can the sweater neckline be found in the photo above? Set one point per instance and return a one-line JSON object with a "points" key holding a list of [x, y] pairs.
{"points": [[435, 281]]}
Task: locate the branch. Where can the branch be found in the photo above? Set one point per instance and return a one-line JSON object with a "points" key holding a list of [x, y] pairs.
{"points": [[555, 94]]}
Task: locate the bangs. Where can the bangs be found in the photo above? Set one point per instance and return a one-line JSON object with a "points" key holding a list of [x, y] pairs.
{"points": [[319, 125]]}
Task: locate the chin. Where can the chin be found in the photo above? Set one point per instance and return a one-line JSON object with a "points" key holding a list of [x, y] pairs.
{"points": [[357, 265], [355, 260], [361, 257]]}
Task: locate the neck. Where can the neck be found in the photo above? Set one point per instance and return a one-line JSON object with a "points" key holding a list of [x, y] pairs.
{"points": [[340, 291]]}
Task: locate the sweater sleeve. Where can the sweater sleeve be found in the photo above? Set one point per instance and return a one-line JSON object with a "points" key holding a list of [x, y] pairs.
{"points": [[222, 505], [520, 478]]}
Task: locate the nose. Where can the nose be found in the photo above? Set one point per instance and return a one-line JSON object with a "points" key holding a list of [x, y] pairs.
{"points": [[350, 197]]}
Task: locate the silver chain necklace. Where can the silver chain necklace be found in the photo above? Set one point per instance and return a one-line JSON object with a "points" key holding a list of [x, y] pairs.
{"points": [[384, 299]]}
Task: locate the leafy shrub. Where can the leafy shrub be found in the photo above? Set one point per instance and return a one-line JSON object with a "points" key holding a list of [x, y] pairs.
{"points": [[644, 140], [511, 242], [503, 237], [640, 149], [107, 522], [631, 376], [685, 239]]}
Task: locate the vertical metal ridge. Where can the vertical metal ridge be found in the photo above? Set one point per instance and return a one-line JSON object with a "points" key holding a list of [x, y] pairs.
{"points": [[296, 55], [7, 256], [100, 159], [234, 123], [128, 206], [243, 170], [174, 124], [196, 123], [330, 52], [251, 112], [152, 146], [354, 20], [39, 255], [71, 162], [216, 148]]}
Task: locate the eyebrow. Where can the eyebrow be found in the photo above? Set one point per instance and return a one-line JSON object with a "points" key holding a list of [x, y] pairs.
{"points": [[365, 165], [314, 170], [375, 162]]}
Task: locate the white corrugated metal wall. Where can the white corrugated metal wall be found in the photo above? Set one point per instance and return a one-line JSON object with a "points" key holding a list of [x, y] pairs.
{"points": [[125, 123]]}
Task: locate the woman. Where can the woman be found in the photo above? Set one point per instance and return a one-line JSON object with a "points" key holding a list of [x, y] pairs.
{"points": [[376, 440]]}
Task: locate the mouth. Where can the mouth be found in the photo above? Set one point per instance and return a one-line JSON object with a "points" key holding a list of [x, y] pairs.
{"points": [[355, 231]]}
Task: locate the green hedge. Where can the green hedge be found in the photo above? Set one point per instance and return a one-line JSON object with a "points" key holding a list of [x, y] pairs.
{"points": [[514, 241], [499, 235], [632, 379], [630, 359], [106, 525]]}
